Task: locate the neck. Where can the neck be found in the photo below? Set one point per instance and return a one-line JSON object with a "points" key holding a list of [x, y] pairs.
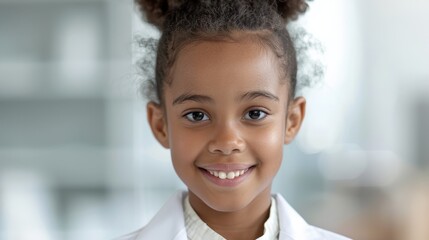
{"points": [[246, 223]]}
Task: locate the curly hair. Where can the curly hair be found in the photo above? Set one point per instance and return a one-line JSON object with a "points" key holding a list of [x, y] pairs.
{"points": [[182, 22]]}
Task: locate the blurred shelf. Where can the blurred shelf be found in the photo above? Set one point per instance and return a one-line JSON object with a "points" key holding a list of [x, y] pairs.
{"points": [[31, 79], [51, 123], [67, 95], [72, 168], [65, 49]]}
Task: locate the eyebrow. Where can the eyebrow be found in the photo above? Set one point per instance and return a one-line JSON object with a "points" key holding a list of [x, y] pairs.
{"points": [[192, 97], [206, 99], [255, 94]]}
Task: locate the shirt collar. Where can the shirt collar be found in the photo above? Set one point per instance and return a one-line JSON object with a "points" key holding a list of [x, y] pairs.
{"points": [[197, 229]]}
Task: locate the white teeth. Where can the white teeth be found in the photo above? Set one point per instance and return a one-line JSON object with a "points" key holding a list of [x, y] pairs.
{"points": [[229, 175]]}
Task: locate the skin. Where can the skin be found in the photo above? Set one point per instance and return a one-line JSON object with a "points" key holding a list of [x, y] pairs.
{"points": [[226, 82]]}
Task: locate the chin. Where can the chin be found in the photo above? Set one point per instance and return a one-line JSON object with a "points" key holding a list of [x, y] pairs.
{"points": [[228, 203]]}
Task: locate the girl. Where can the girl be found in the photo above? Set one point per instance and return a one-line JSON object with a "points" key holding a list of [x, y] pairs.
{"points": [[225, 104]]}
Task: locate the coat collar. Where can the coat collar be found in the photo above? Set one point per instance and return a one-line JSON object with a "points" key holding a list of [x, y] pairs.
{"points": [[169, 223]]}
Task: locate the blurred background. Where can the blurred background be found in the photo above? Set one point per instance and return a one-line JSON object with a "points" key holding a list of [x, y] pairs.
{"points": [[78, 161]]}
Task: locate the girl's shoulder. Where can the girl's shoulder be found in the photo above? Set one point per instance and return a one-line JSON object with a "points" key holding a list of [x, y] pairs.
{"points": [[294, 227], [168, 222]]}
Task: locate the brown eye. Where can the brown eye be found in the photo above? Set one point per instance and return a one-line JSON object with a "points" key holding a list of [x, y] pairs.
{"points": [[255, 115], [196, 116]]}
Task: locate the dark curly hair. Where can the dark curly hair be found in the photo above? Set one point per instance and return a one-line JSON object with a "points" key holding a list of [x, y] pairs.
{"points": [[182, 22]]}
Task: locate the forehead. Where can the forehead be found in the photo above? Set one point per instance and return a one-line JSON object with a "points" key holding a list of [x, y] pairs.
{"points": [[221, 67]]}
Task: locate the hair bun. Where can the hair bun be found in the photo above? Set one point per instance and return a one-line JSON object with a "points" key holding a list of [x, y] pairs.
{"points": [[155, 11], [291, 9]]}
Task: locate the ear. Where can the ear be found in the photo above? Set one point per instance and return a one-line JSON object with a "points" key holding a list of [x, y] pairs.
{"points": [[294, 118], [158, 123]]}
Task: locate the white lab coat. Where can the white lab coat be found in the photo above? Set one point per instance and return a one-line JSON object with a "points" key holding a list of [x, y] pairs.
{"points": [[169, 224]]}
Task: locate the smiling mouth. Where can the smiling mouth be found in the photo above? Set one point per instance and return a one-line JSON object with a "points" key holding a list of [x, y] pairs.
{"points": [[227, 175]]}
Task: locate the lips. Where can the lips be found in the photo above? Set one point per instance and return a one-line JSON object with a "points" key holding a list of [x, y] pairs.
{"points": [[226, 167], [226, 175], [229, 175]]}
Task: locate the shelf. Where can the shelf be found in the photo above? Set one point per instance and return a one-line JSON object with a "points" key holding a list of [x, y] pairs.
{"points": [[71, 168]]}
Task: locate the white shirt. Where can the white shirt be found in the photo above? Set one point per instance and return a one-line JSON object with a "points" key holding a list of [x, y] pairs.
{"points": [[196, 229]]}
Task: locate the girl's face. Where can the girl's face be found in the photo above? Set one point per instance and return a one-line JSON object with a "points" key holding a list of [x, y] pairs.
{"points": [[226, 117]]}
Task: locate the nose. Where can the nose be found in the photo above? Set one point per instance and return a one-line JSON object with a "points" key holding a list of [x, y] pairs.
{"points": [[226, 140]]}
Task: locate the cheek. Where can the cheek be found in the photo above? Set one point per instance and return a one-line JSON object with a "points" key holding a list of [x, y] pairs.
{"points": [[269, 144], [185, 144], [186, 147]]}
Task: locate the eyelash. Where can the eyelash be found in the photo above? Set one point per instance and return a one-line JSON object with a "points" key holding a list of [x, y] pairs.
{"points": [[265, 114], [190, 115]]}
